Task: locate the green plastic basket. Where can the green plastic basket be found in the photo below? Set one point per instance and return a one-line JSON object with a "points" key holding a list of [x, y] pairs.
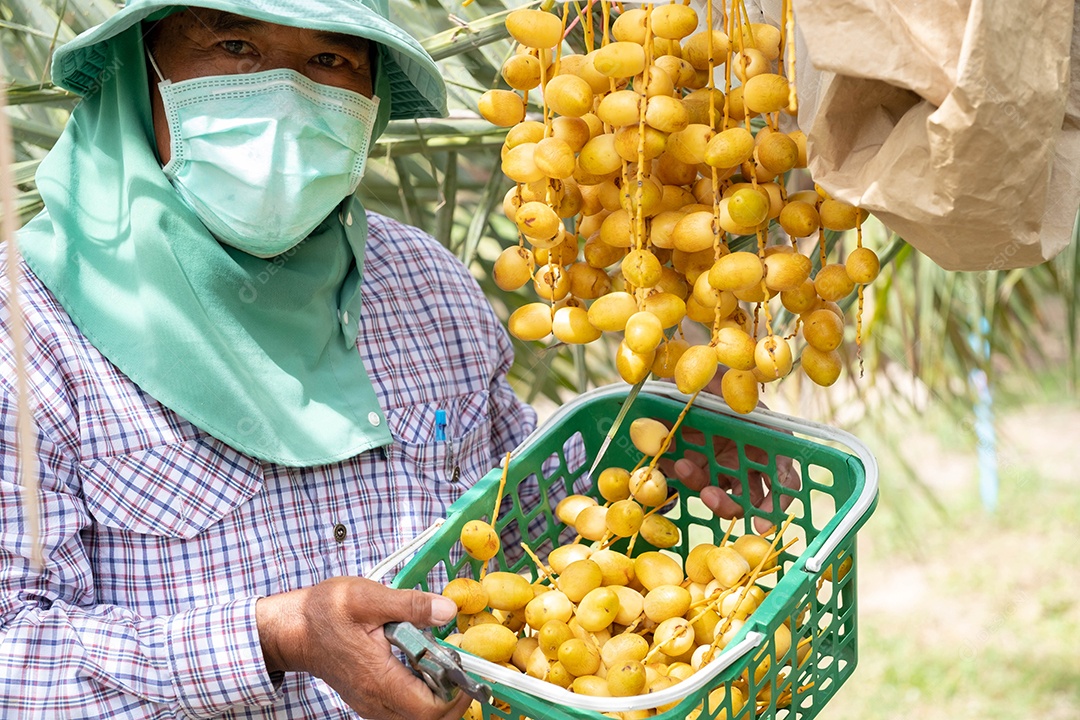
{"points": [[838, 492]]}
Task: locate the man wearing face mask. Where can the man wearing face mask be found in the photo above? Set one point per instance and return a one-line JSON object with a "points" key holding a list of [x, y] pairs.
{"points": [[245, 391]]}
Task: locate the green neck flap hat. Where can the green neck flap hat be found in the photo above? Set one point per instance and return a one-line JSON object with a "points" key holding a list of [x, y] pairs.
{"points": [[259, 353]]}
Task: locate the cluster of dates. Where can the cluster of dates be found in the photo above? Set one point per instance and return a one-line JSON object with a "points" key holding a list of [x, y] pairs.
{"points": [[645, 194]]}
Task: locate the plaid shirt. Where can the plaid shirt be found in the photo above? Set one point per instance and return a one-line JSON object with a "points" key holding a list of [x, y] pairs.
{"points": [[158, 539]]}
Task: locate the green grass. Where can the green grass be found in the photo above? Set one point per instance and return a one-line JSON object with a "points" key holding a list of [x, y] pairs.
{"points": [[968, 614]]}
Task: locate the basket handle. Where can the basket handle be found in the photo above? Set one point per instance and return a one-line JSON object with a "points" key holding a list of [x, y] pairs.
{"points": [[405, 551]]}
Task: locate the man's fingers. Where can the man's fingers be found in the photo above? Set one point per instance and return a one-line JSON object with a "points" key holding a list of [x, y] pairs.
{"points": [[789, 478], [692, 474], [457, 709], [408, 697], [720, 502], [789, 475], [692, 435], [759, 484]]}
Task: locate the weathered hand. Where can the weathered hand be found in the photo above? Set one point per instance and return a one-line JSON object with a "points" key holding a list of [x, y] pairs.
{"points": [[334, 630], [693, 471]]}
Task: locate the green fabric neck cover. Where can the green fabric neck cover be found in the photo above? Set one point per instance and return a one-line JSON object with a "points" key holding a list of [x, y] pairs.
{"points": [[260, 354]]}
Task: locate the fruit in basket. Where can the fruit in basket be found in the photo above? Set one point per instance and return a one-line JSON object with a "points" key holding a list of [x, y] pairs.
{"points": [[727, 566], [614, 482], [624, 518], [653, 569], [841, 571], [579, 657], [580, 577], [480, 540], [755, 549], [674, 637], [648, 435], [597, 610], [491, 641], [507, 591], [659, 532], [543, 608], [568, 508], [665, 602], [564, 555], [474, 712], [615, 567], [591, 523], [469, 595], [716, 700], [648, 486], [624, 647], [631, 603], [626, 678], [552, 635], [619, 626]]}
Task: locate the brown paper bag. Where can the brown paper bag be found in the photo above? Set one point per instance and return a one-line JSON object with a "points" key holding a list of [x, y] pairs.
{"points": [[954, 122]]}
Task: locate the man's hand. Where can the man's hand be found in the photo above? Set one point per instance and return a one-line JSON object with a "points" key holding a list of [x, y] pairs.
{"points": [[334, 631], [693, 471]]}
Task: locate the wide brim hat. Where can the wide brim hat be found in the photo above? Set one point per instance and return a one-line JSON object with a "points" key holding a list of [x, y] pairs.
{"points": [[416, 87]]}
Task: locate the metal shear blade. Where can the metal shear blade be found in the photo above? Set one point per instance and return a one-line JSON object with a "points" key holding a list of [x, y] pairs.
{"points": [[438, 665]]}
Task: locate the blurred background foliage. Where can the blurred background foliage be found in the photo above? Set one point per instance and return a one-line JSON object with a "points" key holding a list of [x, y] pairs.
{"points": [[937, 347]]}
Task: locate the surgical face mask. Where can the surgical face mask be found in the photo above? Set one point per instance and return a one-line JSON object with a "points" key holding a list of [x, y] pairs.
{"points": [[263, 158]]}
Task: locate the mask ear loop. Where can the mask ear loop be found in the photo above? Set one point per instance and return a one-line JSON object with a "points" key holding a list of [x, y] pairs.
{"points": [[175, 147], [153, 64]]}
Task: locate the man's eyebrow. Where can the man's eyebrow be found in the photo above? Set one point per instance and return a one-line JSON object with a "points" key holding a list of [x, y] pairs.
{"points": [[348, 42], [223, 22]]}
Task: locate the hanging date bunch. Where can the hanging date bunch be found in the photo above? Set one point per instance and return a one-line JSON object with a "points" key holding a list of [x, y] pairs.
{"points": [[651, 194]]}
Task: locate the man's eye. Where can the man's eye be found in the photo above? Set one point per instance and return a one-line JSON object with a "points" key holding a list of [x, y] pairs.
{"points": [[328, 60], [235, 47]]}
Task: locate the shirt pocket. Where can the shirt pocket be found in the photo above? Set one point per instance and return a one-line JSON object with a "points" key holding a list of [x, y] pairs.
{"points": [[460, 457], [172, 491], [428, 474]]}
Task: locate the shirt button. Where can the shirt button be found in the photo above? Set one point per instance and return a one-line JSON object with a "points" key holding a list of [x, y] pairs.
{"points": [[340, 532], [373, 418], [345, 317], [348, 219]]}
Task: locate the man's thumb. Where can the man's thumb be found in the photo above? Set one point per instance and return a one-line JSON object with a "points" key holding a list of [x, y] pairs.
{"points": [[420, 608]]}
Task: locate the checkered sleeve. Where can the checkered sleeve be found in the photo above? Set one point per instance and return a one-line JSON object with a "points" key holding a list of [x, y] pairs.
{"points": [[64, 655], [216, 659]]}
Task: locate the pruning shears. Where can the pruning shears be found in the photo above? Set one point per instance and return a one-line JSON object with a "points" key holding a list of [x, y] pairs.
{"points": [[437, 665]]}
